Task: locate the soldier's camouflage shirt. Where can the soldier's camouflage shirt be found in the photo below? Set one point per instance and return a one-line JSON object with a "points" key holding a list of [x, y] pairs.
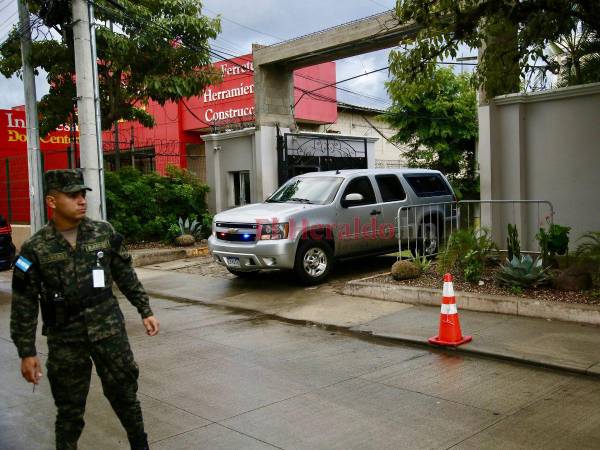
{"points": [[52, 265]]}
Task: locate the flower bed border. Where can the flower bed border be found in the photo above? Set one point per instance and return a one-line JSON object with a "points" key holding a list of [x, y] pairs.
{"points": [[517, 306]]}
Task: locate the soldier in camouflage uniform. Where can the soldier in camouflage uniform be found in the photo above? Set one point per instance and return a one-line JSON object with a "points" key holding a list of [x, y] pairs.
{"points": [[68, 268]]}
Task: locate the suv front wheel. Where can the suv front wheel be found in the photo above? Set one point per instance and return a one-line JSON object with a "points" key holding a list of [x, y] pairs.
{"points": [[313, 262]]}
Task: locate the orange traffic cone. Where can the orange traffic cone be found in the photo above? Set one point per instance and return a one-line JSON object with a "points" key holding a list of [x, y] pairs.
{"points": [[450, 334]]}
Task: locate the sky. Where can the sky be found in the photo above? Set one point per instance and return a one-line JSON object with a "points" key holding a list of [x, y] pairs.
{"points": [[264, 22]]}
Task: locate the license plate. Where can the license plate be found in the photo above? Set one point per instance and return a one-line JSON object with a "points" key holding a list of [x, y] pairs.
{"points": [[232, 261]]}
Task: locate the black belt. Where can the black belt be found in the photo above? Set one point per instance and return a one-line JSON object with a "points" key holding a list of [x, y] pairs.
{"points": [[77, 307]]}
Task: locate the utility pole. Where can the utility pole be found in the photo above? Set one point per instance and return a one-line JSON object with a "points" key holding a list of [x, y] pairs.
{"points": [[117, 144], [117, 148], [88, 111], [36, 190]]}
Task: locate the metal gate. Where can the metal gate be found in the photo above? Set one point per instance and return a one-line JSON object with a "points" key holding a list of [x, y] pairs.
{"points": [[299, 153]]}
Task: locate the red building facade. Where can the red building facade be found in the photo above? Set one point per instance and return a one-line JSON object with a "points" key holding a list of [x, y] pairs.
{"points": [[174, 140]]}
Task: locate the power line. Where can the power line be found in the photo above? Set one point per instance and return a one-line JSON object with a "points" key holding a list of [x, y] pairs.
{"points": [[7, 5], [381, 132], [245, 26], [379, 4], [12, 24], [21, 31], [386, 102], [342, 81]]}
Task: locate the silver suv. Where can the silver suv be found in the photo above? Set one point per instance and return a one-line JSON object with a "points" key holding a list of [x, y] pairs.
{"points": [[316, 218]]}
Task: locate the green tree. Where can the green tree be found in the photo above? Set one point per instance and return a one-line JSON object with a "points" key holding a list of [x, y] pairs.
{"points": [[514, 35], [575, 57], [437, 118], [147, 50]]}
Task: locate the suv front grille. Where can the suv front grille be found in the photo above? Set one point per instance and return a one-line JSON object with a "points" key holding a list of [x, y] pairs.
{"points": [[236, 232], [243, 226]]}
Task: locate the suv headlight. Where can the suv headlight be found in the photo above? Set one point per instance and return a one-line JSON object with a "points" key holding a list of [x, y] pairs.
{"points": [[273, 231]]}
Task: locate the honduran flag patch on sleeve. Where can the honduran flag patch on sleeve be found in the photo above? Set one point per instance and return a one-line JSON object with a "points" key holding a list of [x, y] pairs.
{"points": [[23, 264]]}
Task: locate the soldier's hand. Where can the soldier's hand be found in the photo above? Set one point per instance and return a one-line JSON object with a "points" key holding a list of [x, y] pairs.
{"points": [[31, 369], [151, 324]]}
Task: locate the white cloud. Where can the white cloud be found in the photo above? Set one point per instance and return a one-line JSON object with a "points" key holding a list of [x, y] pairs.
{"points": [[12, 92]]}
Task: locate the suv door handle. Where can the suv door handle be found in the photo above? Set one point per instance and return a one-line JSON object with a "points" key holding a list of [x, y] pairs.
{"points": [[375, 212]]}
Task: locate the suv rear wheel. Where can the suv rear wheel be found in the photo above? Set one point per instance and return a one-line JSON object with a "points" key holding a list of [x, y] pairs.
{"points": [[313, 262], [427, 243]]}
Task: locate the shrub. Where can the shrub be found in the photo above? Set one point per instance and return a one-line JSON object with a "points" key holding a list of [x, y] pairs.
{"points": [[473, 266], [144, 206], [172, 232], [467, 251], [553, 242], [422, 262], [589, 249], [405, 270], [523, 273]]}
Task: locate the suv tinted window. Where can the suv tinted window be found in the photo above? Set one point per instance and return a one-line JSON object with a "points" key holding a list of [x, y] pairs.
{"points": [[428, 185], [363, 186], [390, 187]]}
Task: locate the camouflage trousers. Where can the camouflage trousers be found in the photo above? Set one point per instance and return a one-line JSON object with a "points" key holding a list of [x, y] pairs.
{"points": [[69, 368]]}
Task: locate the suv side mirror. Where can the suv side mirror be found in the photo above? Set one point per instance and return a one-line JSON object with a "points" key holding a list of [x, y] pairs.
{"points": [[352, 199]]}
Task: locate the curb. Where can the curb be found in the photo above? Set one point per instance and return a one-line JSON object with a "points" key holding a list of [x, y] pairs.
{"points": [[593, 370], [146, 257], [517, 306]]}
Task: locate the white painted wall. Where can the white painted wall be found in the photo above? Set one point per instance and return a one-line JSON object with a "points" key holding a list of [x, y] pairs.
{"points": [[544, 145], [229, 152]]}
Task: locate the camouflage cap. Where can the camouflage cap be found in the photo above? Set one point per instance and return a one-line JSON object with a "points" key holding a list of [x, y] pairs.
{"points": [[67, 180]]}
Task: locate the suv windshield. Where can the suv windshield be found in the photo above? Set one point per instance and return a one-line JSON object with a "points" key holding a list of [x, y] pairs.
{"points": [[317, 190]]}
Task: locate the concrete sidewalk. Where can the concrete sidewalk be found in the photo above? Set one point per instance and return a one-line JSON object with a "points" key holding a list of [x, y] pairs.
{"points": [[554, 344]]}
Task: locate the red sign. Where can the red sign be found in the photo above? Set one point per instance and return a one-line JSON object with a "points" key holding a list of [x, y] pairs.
{"points": [[232, 100], [13, 133], [14, 177]]}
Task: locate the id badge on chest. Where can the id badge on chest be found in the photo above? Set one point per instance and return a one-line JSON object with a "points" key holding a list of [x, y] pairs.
{"points": [[98, 277], [98, 272]]}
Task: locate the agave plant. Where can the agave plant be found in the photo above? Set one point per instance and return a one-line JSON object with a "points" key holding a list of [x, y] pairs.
{"points": [[523, 273], [192, 228]]}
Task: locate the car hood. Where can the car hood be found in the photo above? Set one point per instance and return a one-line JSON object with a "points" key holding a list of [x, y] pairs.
{"points": [[262, 212]]}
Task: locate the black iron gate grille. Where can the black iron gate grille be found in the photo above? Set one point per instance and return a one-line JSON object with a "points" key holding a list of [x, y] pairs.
{"points": [[299, 153]]}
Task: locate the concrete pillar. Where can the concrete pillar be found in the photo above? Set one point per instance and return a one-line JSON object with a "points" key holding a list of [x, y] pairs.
{"points": [[485, 152], [213, 175], [266, 160], [274, 96]]}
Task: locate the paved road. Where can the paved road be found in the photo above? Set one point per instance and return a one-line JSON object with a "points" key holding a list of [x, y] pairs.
{"points": [[214, 379], [340, 274]]}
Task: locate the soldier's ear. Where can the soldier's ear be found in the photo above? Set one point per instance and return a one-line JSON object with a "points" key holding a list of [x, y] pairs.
{"points": [[50, 201]]}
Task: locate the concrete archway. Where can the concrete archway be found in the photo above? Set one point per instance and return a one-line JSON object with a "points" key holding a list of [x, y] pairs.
{"points": [[273, 81]]}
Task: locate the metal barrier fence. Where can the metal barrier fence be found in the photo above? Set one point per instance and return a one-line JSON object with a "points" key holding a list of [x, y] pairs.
{"points": [[425, 228]]}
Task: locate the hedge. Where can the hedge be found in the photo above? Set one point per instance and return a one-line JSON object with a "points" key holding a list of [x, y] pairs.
{"points": [[143, 207]]}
